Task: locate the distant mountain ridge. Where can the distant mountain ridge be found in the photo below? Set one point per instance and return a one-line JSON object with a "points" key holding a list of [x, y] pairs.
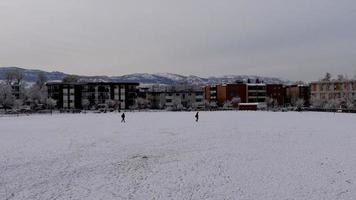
{"points": [[30, 75]]}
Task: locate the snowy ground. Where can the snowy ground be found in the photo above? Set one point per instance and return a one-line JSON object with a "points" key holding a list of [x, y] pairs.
{"points": [[165, 155]]}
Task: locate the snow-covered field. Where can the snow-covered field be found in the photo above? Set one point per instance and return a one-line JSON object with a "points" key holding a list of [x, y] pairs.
{"points": [[166, 155]]}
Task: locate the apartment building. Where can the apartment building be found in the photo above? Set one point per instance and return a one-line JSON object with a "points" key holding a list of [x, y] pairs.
{"points": [[76, 95], [256, 92], [276, 92], [182, 96], [211, 94], [295, 93], [334, 90], [247, 93]]}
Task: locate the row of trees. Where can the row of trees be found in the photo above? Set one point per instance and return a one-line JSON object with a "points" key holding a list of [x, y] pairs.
{"points": [[16, 94], [339, 77], [339, 103]]}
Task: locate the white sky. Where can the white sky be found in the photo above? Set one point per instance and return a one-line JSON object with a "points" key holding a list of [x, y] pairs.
{"points": [[298, 40]]}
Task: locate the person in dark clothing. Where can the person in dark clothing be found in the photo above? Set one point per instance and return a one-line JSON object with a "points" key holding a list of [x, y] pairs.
{"points": [[123, 117], [197, 117]]}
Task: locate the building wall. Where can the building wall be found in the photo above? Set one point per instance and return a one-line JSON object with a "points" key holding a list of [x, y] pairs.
{"points": [[221, 94], [71, 96], [188, 99], [236, 90], [256, 93], [210, 93], [207, 95], [333, 90], [276, 92], [296, 92]]}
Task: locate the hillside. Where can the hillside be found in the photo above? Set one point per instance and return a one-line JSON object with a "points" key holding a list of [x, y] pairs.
{"points": [[30, 75]]}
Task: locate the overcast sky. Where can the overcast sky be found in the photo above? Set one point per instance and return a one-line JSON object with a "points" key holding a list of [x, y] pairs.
{"points": [[294, 39]]}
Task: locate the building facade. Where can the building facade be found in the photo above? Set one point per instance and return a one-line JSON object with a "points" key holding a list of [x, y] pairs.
{"points": [[245, 92], [211, 94], [92, 94], [294, 93], [256, 93], [276, 92], [174, 97], [334, 90]]}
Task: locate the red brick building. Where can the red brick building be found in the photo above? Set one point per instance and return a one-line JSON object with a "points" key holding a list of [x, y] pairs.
{"points": [[276, 92], [223, 93], [236, 90]]}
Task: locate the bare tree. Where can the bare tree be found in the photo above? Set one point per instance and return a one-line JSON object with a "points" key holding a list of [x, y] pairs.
{"points": [[19, 76], [41, 79], [340, 77], [9, 77], [327, 77]]}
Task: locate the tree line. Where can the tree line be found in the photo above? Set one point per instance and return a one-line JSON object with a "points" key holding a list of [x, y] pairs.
{"points": [[15, 93]]}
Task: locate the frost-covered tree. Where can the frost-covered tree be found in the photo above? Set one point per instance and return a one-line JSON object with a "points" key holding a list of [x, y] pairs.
{"points": [[269, 102], [177, 104], [348, 102], [235, 101], [51, 103], [227, 105], [18, 103], [6, 96], [85, 104], [37, 95], [142, 103], [299, 103], [316, 102], [332, 104], [213, 104]]}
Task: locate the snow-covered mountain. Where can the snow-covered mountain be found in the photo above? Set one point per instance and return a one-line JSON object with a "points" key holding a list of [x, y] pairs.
{"points": [[30, 75]]}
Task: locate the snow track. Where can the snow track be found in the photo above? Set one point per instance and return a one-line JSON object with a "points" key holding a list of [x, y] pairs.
{"points": [[165, 155]]}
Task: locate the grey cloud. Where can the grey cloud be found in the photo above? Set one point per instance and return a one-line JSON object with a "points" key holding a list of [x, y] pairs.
{"points": [[294, 39]]}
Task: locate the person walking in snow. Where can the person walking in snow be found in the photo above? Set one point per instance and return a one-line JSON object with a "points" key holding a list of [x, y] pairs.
{"points": [[197, 117], [123, 117]]}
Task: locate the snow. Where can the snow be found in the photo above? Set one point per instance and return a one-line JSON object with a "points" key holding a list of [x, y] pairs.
{"points": [[171, 76], [167, 155]]}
